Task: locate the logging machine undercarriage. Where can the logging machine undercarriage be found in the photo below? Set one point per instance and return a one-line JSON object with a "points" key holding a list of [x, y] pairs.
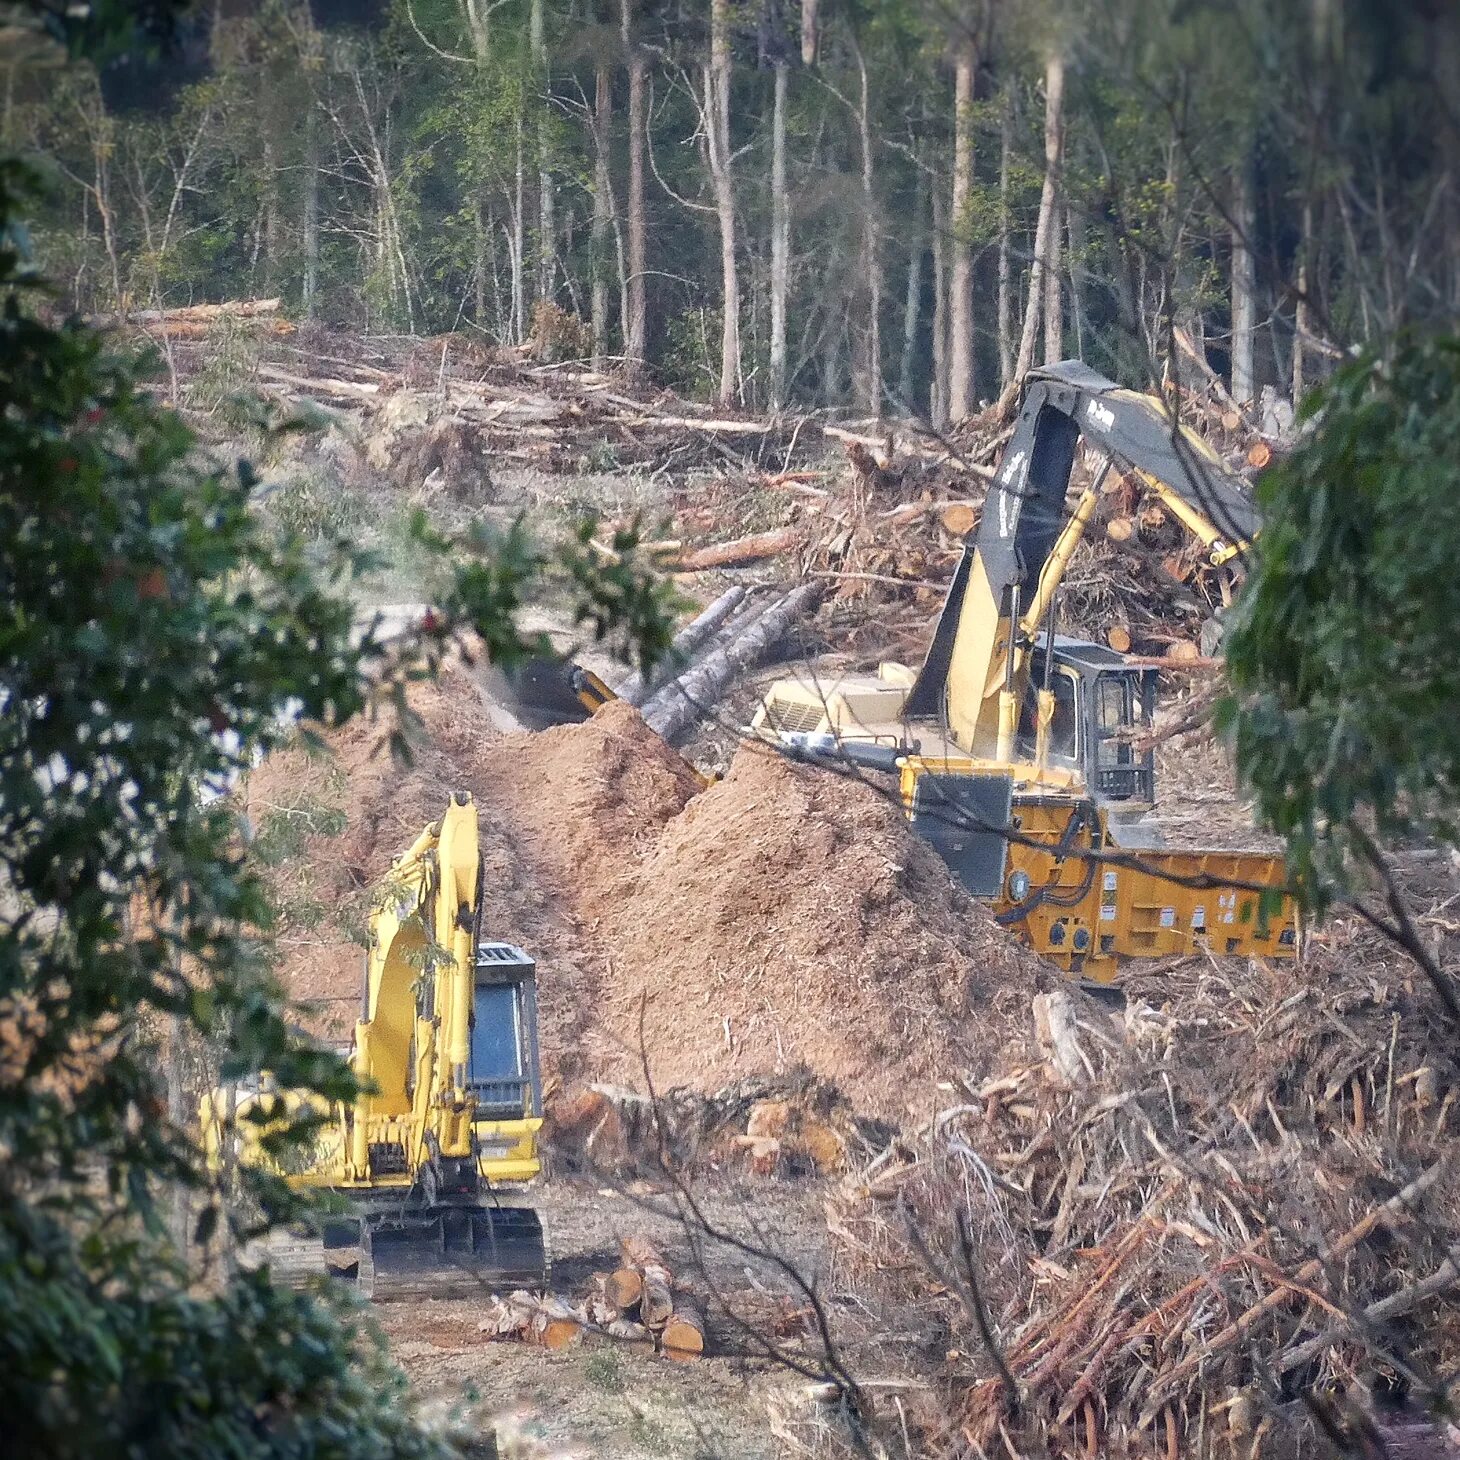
{"points": [[446, 1049], [1016, 748]]}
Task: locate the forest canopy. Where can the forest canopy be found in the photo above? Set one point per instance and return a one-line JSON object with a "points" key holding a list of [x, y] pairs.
{"points": [[885, 206]]}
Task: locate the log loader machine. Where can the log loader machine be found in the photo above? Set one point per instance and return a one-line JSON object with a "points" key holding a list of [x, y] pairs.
{"points": [[1016, 747], [421, 1166]]}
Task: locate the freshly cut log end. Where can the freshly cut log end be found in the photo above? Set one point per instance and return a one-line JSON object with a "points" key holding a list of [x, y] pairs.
{"points": [[623, 1288], [958, 518], [1120, 529], [1259, 455], [683, 1338], [1118, 637]]}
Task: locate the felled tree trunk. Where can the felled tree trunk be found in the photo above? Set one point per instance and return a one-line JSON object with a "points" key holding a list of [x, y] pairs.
{"points": [[636, 689], [656, 1293], [683, 1338], [678, 707]]}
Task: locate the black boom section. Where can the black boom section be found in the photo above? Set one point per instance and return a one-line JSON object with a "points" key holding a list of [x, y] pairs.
{"points": [[1025, 507]]}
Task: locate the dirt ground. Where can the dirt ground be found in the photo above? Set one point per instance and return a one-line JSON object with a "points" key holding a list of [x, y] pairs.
{"points": [[618, 1402]]}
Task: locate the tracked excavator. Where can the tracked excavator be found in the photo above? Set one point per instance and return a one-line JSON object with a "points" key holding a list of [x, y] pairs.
{"points": [[422, 1167], [1016, 748]]}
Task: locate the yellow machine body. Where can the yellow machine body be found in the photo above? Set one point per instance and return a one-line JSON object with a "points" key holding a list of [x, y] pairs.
{"points": [[1058, 878], [1015, 746], [450, 1104]]}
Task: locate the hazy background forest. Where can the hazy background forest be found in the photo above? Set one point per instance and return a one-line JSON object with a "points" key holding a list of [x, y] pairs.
{"points": [[886, 206]]}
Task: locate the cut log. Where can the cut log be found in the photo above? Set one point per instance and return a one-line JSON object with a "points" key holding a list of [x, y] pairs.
{"points": [[636, 690], [752, 549], [1118, 637], [958, 518], [675, 710], [656, 1299], [623, 1288], [683, 1338], [1183, 651], [1120, 529], [626, 1331], [549, 1323], [1259, 455]]}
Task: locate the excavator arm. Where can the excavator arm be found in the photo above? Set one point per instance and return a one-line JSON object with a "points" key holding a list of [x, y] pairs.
{"points": [[1013, 564]]}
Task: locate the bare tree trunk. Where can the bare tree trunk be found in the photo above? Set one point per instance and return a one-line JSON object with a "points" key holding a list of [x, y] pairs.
{"points": [[1075, 237], [479, 268], [938, 390], [780, 241], [871, 257], [309, 229], [1006, 290], [960, 289], [717, 128], [810, 35], [1054, 314], [602, 118], [519, 231], [1244, 288], [913, 300], [1054, 79], [1301, 326], [546, 226], [636, 323]]}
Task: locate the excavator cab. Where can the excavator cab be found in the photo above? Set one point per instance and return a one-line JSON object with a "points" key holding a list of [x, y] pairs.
{"points": [[1101, 707]]}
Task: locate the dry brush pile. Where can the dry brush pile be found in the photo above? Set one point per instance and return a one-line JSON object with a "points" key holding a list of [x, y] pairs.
{"points": [[1184, 1220]]}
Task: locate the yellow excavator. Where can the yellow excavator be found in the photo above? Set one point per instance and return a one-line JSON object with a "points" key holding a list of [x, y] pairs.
{"points": [[422, 1164], [1015, 746]]}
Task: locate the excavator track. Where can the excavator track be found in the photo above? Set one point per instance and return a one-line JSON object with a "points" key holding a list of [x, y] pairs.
{"points": [[391, 1254]]}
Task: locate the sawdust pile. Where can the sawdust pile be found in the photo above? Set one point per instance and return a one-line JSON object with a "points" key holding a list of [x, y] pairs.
{"points": [[790, 917], [584, 802], [783, 919]]}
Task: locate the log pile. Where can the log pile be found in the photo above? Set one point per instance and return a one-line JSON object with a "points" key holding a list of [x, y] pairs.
{"points": [[783, 1126], [1181, 1227], [640, 1304]]}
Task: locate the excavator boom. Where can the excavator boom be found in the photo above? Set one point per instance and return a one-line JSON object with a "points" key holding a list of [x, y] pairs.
{"points": [[446, 1122]]}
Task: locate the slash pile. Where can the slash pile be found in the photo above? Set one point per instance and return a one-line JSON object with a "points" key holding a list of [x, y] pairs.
{"points": [[1181, 1227]]}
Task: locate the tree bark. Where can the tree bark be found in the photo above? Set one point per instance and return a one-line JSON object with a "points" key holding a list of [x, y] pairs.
{"points": [[1301, 325], [913, 300], [717, 129], [678, 707], [309, 228], [1054, 77], [1006, 291], [602, 120], [780, 242], [810, 35], [938, 388], [546, 225], [960, 287], [871, 257], [1244, 288], [636, 325], [656, 1297], [1054, 313]]}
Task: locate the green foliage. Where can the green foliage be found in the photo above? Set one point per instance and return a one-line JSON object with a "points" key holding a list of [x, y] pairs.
{"points": [[157, 633], [1342, 645]]}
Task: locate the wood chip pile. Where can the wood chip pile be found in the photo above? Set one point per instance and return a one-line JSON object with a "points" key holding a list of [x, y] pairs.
{"points": [[1178, 1228]]}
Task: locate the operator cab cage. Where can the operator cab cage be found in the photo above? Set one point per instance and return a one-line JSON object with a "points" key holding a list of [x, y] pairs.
{"points": [[1101, 705], [504, 1074]]}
